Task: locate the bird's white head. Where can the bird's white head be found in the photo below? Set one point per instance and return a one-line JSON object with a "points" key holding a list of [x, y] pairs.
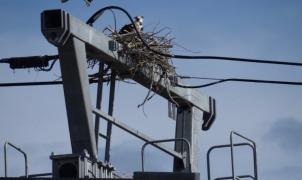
{"points": [[138, 20]]}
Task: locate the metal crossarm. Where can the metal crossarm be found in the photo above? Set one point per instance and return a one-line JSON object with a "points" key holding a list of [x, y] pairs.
{"points": [[58, 26]]}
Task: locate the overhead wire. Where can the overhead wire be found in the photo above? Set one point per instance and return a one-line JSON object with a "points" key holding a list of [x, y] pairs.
{"points": [[98, 14], [218, 81], [42, 83], [47, 83], [114, 19]]}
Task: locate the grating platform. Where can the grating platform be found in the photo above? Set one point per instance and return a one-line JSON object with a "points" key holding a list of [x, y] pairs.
{"points": [[137, 176], [165, 176], [23, 178]]}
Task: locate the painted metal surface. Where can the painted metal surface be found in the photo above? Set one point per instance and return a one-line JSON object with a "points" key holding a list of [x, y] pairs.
{"points": [[188, 124], [77, 96]]}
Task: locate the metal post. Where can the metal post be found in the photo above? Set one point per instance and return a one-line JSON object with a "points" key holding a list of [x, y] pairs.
{"points": [[5, 161], [232, 157], [99, 102], [188, 126], [110, 112]]}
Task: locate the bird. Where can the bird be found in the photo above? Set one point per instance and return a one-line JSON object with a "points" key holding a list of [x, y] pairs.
{"points": [[129, 28]]}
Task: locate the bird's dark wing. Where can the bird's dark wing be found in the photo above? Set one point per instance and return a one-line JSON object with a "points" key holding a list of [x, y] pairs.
{"points": [[126, 29]]}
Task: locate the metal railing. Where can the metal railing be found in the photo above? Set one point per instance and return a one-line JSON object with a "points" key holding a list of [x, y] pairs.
{"points": [[251, 144], [5, 157], [254, 153], [167, 140]]}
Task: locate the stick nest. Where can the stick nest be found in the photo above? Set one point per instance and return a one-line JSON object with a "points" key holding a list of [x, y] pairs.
{"points": [[143, 58]]}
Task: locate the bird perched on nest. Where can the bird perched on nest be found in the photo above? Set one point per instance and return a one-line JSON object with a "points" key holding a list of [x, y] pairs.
{"points": [[129, 28]]}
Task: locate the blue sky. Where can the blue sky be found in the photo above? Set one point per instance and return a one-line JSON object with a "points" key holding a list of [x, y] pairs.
{"points": [[35, 119]]}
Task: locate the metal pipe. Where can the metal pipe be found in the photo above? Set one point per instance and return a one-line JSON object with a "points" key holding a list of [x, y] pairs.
{"points": [[5, 158], [99, 102], [136, 133], [254, 152], [103, 136], [110, 112], [255, 163], [5, 162], [218, 147], [232, 157], [39, 175], [167, 140]]}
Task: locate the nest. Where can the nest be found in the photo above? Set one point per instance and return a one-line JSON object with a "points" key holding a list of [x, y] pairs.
{"points": [[158, 68], [143, 58]]}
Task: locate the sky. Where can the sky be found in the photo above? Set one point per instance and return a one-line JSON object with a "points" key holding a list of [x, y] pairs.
{"points": [[34, 118]]}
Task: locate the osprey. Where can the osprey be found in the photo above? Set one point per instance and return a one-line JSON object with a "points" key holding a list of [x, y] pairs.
{"points": [[128, 28]]}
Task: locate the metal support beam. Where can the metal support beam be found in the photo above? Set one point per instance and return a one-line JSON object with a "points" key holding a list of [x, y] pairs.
{"points": [[99, 97], [110, 113], [136, 133], [77, 96], [188, 124]]}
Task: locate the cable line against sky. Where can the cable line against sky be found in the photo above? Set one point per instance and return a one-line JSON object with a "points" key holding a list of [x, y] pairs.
{"points": [[219, 80], [99, 13]]}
